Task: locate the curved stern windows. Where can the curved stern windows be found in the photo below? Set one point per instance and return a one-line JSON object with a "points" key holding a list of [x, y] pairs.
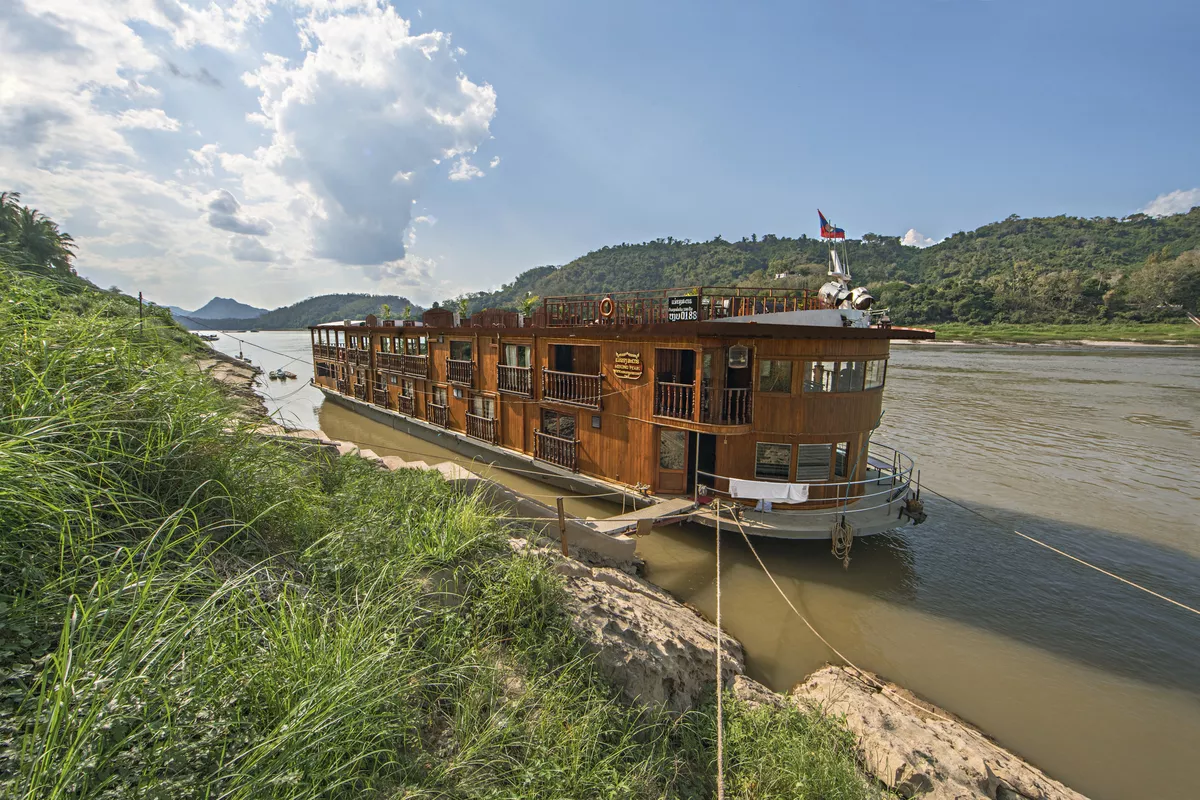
{"points": [[775, 376], [772, 461], [812, 462], [819, 376], [875, 373]]}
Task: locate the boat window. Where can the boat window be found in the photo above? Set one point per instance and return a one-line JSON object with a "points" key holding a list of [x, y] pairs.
{"points": [[460, 351], [775, 376], [458, 393], [394, 380], [771, 461], [557, 423], [819, 376], [516, 355], [439, 395], [839, 464], [812, 462], [406, 388], [422, 345], [850, 377], [672, 449], [482, 406], [385, 345], [875, 372]]}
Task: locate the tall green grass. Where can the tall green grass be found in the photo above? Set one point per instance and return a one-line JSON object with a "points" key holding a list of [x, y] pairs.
{"points": [[188, 610]]}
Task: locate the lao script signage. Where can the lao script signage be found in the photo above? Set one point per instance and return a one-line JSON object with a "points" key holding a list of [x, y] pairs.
{"points": [[683, 309], [628, 366]]}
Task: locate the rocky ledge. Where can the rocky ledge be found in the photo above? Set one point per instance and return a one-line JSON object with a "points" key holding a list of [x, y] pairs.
{"points": [[660, 651]]}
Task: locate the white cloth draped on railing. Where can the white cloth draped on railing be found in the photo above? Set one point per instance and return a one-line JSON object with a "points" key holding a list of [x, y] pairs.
{"points": [[769, 490]]}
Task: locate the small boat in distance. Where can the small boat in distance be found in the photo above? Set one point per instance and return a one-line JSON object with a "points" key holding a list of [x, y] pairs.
{"points": [[281, 374], [209, 337]]}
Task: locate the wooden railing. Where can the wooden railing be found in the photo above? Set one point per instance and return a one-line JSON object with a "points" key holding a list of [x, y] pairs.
{"points": [[482, 428], [405, 404], [415, 366], [358, 357], [651, 307], [343, 387], [515, 380], [676, 400], [460, 371], [555, 449], [379, 395], [571, 387], [360, 391], [727, 407], [326, 352], [438, 414], [389, 361]]}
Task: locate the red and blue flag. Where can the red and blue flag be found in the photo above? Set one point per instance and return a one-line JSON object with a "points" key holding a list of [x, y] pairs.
{"points": [[828, 231]]}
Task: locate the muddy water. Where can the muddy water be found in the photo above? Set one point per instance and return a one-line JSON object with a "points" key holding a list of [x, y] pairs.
{"points": [[1095, 451]]}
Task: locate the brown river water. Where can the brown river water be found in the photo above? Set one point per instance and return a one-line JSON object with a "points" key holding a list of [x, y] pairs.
{"points": [[1095, 451]]}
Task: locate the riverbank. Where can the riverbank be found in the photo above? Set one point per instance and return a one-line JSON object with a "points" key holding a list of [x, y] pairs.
{"points": [[662, 653], [1184, 334]]}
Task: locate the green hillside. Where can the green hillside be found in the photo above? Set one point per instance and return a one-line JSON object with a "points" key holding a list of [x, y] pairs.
{"points": [[1051, 270], [313, 311]]}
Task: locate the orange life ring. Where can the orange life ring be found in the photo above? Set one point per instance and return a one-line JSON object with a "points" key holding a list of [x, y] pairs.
{"points": [[607, 307]]}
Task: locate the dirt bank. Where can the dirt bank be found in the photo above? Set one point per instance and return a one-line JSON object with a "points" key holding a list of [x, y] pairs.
{"points": [[237, 377]]}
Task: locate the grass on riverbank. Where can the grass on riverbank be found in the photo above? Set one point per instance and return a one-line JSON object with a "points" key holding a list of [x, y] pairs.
{"points": [[1148, 333], [188, 610]]}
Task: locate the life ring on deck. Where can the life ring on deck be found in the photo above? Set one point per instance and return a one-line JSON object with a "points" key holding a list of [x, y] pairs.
{"points": [[607, 307]]}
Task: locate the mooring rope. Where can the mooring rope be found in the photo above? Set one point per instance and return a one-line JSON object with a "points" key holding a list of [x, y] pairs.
{"points": [[720, 705], [1065, 554]]}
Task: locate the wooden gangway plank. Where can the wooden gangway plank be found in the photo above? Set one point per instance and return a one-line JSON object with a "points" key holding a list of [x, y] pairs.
{"points": [[658, 513]]}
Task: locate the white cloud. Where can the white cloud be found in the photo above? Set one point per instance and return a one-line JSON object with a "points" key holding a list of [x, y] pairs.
{"points": [[495, 162], [915, 239], [370, 102], [326, 148], [225, 213], [149, 118], [464, 170], [247, 248], [1179, 201]]}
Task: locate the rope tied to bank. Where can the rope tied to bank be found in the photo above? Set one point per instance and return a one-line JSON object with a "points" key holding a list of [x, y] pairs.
{"points": [[1065, 554], [720, 715]]}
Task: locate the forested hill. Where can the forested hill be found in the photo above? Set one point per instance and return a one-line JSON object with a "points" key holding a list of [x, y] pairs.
{"points": [[313, 311], [1052, 269]]}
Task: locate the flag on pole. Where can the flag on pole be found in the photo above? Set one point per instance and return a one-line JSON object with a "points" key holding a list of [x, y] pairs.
{"points": [[828, 231]]}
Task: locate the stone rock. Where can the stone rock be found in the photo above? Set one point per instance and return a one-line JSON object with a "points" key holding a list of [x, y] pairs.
{"points": [[918, 750], [647, 643]]}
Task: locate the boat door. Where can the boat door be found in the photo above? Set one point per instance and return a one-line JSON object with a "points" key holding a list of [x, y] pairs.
{"points": [[672, 461]]}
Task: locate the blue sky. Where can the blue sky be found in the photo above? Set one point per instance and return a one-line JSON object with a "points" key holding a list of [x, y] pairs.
{"points": [[227, 164]]}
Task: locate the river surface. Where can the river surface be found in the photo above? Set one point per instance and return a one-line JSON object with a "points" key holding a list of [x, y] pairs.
{"points": [[1095, 451]]}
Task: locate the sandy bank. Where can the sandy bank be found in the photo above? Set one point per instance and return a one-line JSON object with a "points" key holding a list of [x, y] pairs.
{"points": [[237, 377]]}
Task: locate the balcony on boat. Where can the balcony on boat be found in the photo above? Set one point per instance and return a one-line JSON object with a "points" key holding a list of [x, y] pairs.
{"points": [[573, 388], [515, 380], [358, 357], [482, 428], [343, 387], [726, 406], [675, 400], [360, 391], [324, 351], [406, 404], [388, 361], [556, 450], [460, 372], [684, 304], [415, 366], [379, 395], [438, 414]]}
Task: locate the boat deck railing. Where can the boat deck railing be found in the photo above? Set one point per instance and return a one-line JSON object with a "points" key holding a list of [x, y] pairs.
{"points": [[889, 477], [652, 307]]}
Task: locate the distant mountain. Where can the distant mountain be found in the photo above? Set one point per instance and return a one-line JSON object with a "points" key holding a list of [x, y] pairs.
{"points": [[313, 311], [1050, 269], [219, 308]]}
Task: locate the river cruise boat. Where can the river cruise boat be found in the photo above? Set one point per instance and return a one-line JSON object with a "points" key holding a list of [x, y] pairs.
{"points": [[754, 403]]}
